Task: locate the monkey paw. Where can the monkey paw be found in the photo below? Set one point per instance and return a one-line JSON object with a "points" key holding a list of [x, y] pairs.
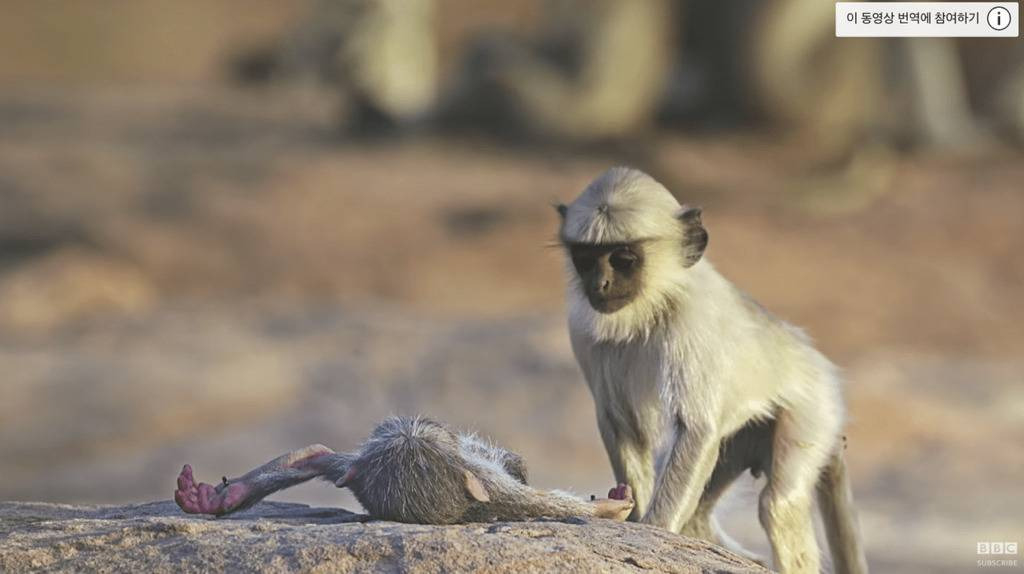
{"points": [[618, 505], [621, 492], [205, 498]]}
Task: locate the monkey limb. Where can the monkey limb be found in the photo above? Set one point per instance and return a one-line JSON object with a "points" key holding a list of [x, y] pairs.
{"points": [[235, 494], [835, 501], [381, 56], [408, 470], [691, 460], [567, 83]]}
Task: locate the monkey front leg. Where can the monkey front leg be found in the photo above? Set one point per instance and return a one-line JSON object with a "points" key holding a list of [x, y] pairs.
{"points": [[681, 482], [631, 464], [236, 494]]}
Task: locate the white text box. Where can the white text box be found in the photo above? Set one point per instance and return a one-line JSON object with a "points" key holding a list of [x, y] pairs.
{"points": [[927, 19]]}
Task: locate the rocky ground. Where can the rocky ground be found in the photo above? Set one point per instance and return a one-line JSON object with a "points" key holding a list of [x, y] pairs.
{"points": [[217, 277], [282, 537]]}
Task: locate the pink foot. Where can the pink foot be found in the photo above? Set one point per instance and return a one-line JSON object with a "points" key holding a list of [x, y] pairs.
{"points": [[204, 498]]}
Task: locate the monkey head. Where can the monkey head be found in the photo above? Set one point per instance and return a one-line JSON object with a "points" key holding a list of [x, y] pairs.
{"points": [[410, 470], [629, 246]]}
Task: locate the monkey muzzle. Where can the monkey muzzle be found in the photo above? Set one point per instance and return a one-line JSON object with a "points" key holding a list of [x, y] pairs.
{"points": [[606, 301]]}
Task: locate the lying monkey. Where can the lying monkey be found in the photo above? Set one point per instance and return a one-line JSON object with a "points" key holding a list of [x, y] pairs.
{"points": [[409, 470]]}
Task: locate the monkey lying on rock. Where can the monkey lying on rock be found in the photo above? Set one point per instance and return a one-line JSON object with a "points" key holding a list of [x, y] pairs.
{"points": [[409, 470]]}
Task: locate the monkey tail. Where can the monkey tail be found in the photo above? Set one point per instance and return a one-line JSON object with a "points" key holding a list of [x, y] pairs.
{"points": [[835, 500]]}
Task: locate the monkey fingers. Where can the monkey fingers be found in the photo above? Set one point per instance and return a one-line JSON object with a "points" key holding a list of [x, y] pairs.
{"points": [[205, 498], [239, 493], [621, 492]]}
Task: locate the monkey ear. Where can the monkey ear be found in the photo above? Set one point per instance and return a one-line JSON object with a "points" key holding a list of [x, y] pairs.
{"points": [[562, 210], [695, 237], [475, 488]]}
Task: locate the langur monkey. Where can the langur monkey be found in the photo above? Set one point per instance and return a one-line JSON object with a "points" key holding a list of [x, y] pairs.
{"points": [[411, 470], [694, 382]]}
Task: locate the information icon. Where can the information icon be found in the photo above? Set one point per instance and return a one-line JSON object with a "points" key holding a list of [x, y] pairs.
{"points": [[999, 18]]}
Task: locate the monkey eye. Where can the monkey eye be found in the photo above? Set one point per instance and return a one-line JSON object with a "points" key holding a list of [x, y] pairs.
{"points": [[584, 263], [622, 260]]}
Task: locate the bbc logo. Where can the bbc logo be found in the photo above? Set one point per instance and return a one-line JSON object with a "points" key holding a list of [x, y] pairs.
{"points": [[1009, 548]]}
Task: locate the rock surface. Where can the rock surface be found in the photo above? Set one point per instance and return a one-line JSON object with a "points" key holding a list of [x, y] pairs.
{"points": [[287, 537]]}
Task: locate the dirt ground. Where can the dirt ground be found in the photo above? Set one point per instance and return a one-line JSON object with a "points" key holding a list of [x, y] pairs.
{"points": [[196, 273], [210, 277]]}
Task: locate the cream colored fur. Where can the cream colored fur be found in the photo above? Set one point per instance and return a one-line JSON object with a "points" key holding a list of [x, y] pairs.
{"points": [[690, 362]]}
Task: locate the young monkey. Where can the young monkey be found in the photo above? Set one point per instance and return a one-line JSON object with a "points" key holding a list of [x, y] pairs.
{"points": [[694, 383], [411, 470]]}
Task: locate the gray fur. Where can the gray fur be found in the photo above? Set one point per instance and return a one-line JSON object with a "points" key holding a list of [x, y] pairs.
{"points": [[411, 470], [416, 470]]}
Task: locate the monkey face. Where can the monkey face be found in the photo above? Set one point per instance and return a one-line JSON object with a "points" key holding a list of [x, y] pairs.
{"points": [[610, 274]]}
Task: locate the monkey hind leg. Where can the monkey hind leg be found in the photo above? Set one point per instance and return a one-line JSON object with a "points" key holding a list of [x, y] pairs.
{"points": [[235, 494], [804, 439], [473, 446], [835, 500]]}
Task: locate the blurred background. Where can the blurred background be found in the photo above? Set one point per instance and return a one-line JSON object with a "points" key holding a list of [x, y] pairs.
{"points": [[233, 228]]}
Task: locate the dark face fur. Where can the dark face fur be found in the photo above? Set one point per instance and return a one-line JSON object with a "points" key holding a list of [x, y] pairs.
{"points": [[610, 274]]}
